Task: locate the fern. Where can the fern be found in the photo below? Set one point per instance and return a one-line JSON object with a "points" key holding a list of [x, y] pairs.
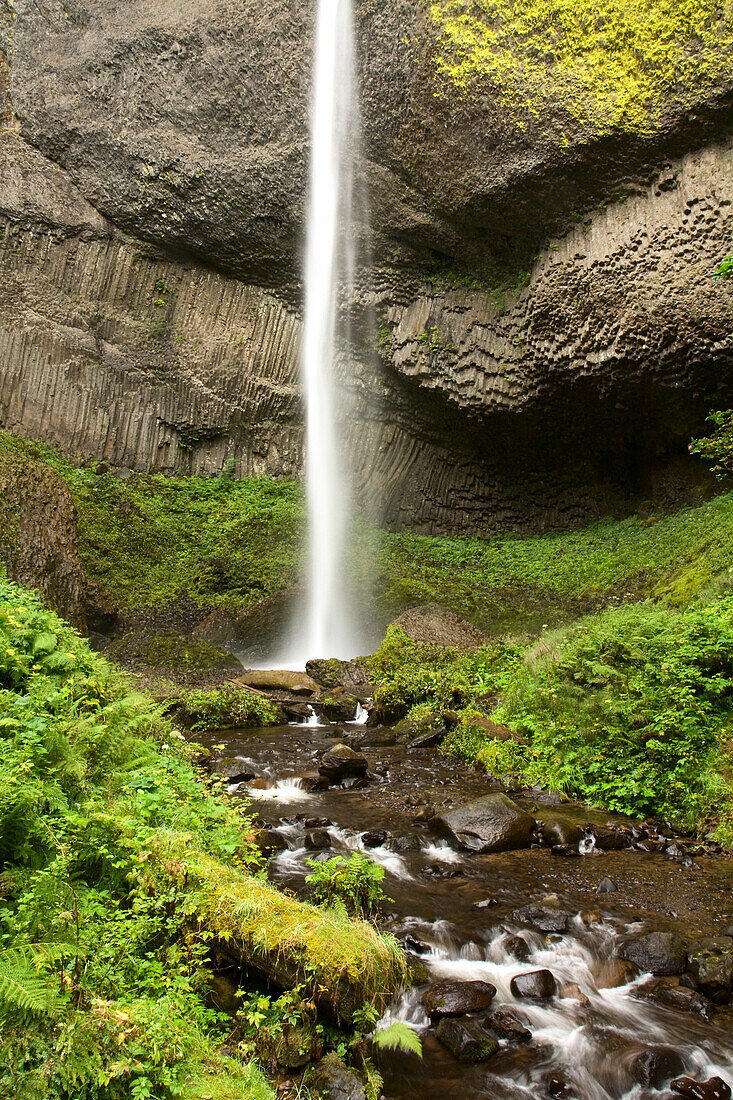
{"points": [[399, 1036], [24, 987]]}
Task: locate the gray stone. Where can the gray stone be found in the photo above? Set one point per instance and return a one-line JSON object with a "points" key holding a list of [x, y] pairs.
{"points": [[543, 917], [656, 952], [340, 761], [492, 823], [537, 985]]}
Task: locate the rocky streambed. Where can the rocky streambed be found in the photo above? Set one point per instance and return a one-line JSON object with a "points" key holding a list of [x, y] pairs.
{"points": [[559, 951]]}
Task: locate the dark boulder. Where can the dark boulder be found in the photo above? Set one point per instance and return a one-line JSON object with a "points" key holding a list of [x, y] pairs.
{"points": [[466, 1039], [375, 838], [338, 706], [610, 840], [347, 675], [457, 998], [318, 840], [504, 1025], [543, 917], [232, 769], [668, 992], [537, 985], [656, 952], [713, 1089], [558, 830], [427, 740], [404, 843], [373, 738], [516, 946], [330, 1079], [490, 824], [655, 1066], [340, 761], [711, 966]]}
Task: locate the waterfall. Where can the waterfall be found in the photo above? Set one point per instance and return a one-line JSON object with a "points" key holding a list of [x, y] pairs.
{"points": [[329, 628]]}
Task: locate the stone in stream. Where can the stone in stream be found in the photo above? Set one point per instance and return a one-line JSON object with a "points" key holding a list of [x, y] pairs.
{"points": [[713, 1089], [504, 1025], [456, 998], [232, 769], [606, 886], [375, 838], [656, 952], [377, 738], [558, 830], [427, 740], [543, 917], [655, 1066], [608, 839], [517, 947], [340, 761], [338, 705], [492, 823], [331, 1079], [318, 840], [711, 965], [466, 1039], [297, 683], [404, 843], [668, 992], [537, 985]]}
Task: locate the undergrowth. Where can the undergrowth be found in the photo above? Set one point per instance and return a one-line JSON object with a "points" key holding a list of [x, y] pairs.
{"points": [[120, 868]]}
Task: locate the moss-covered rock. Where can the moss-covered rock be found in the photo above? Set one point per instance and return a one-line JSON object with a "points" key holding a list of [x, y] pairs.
{"points": [[171, 652]]}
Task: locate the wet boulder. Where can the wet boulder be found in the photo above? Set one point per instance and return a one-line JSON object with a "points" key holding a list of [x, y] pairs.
{"points": [[668, 992], [543, 917], [331, 1079], [655, 1066], [713, 1089], [233, 770], [466, 1039], [318, 840], [505, 1025], [338, 705], [377, 737], [375, 838], [340, 761], [537, 985], [350, 676], [608, 839], [427, 740], [457, 998], [492, 823], [517, 947], [711, 966], [559, 830], [656, 952]]}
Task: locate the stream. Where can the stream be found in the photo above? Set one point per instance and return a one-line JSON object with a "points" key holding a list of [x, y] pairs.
{"points": [[600, 1037]]}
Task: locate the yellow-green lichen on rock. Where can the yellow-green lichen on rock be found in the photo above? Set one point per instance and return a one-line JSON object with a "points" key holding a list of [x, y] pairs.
{"points": [[611, 64]]}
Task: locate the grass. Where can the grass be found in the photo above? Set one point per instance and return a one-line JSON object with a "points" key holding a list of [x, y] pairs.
{"points": [[149, 539]]}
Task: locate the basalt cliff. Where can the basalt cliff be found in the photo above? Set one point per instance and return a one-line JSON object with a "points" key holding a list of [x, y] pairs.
{"points": [[537, 334]]}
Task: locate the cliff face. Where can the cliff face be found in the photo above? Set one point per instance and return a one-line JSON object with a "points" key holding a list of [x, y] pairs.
{"points": [[547, 332]]}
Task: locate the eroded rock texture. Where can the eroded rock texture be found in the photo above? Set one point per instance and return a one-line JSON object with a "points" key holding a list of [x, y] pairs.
{"points": [[537, 340]]}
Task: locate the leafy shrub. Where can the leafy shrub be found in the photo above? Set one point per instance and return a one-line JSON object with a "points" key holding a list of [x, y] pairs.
{"points": [[354, 883], [632, 708], [223, 709], [717, 448]]}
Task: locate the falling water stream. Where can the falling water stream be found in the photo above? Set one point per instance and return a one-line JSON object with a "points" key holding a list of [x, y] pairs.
{"points": [[328, 626]]}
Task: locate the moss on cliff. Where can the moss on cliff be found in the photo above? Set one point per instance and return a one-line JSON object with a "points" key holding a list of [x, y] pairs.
{"points": [[608, 63], [149, 539], [509, 582]]}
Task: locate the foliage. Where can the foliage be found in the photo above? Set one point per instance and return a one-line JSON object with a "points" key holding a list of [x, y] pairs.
{"points": [[399, 1036], [410, 674], [724, 270], [119, 866], [610, 64], [717, 448], [169, 650], [509, 583], [632, 709], [354, 883], [223, 709], [149, 539]]}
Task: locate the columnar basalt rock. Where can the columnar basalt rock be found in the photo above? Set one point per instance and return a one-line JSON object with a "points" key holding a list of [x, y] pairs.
{"points": [[151, 209]]}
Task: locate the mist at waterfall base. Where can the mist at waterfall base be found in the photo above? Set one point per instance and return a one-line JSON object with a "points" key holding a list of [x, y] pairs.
{"points": [[329, 624]]}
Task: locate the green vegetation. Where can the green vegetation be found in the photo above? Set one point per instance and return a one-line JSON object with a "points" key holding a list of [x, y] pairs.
{"points": [[120, 870], [510, 583], [724, 270], [150, 539], [170, 650], [610, 64], [717, 448], [223, 708], [354, 883], [630, 709]]}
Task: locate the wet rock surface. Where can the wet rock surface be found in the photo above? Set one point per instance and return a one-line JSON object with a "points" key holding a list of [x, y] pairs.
{"points": [[657, 952], [536, 985], [490, 824], [457, 998], [457, 911], [466, 1039]]}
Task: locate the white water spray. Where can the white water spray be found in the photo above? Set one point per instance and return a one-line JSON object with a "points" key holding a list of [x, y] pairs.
{"points": [[328, 629]]}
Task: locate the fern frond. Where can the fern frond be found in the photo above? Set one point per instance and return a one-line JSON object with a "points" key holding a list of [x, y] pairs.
{"points": [[23, 985], [399, 1036]]}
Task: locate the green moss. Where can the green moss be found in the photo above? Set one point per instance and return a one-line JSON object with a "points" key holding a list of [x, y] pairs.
{"points": [[509, 583], [610, 64], [223, 708], [148, 539], [170, 651]]}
